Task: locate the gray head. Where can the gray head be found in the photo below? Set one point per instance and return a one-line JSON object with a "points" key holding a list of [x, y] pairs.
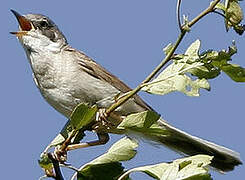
{"points": [[38, 32]]}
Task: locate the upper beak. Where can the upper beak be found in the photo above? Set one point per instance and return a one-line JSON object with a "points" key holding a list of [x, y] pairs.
{"points": [[25, 24]]}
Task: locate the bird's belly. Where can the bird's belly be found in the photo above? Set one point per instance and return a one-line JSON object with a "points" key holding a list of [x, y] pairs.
{"points": [[64, 94], [61, 100]]}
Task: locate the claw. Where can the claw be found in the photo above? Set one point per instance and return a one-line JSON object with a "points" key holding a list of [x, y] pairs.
{"points": [[102, 121], [60, 156], [101, 115]]}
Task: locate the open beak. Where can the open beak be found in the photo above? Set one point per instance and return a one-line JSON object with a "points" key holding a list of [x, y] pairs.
{"points": [[24, 24]]}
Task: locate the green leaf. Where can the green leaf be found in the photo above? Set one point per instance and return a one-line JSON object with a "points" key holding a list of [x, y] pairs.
{"points": [[191, 168], [82, 116], [154, 171], [208, 65], [233, 13], [219, 60], [122, 150], [57, 140], [193, 51], [206, 71], [239, 29], [234, 71], [221, 6], [107, 171], [108, 166], [44, 162], [175, 77], [143, 122], [139, 120]]}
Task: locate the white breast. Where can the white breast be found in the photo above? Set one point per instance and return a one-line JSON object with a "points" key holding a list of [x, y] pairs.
{"points": [[64, 85]]}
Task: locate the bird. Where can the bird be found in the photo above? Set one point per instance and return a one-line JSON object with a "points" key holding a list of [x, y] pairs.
{"points": [[67, 77]]}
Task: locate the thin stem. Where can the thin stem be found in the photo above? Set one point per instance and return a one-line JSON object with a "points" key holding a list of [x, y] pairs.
{"points": [[210, 9], [74, 176], [68, 140], [69, 167], [178, 14], [122, 100], [43, 177], [219, 13]]}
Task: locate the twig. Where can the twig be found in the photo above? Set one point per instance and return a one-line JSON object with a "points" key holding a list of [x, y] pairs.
{"points": [[74, 176], [210, 9], [58, 174], [67, 142], [219, 13], [69, 167], [178, 15]]}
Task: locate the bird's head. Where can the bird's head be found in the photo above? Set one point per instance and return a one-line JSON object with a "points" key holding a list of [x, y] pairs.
{"points": [[38, 33]]}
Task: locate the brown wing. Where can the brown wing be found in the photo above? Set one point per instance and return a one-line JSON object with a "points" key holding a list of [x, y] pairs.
{"points": [[96, 70]]}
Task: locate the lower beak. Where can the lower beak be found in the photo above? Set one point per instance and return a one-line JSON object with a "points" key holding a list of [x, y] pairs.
{"points": [[19, 33], [25, 24]]}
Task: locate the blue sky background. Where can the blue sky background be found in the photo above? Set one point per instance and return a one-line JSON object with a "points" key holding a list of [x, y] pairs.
{"points": [[127, 38]]}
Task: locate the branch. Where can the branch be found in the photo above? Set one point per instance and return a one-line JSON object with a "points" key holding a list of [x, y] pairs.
{"points": [[58, 174], [185, 29], [210, 9]]}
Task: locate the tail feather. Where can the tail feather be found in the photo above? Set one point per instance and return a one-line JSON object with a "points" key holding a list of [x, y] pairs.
{"points": [[224, 158]]}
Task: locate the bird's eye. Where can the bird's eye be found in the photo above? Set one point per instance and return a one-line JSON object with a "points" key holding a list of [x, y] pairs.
{"points": [[44, 24]]}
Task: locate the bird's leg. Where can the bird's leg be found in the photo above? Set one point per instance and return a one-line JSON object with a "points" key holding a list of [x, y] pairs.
{"points": [[100, 127], [103, 138], [61, 156]]}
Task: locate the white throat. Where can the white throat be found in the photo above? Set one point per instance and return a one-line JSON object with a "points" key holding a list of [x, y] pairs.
{"points": [[39, 43]]}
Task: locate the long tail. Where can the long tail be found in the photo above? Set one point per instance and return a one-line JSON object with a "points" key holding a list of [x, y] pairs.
{"points": [[224, 158]]}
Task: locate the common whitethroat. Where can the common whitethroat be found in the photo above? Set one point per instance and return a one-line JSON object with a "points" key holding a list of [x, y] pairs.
{"points": [[67, 77]]}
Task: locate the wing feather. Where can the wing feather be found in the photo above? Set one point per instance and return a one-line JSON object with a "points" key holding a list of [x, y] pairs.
{"points": [[94, 69]]}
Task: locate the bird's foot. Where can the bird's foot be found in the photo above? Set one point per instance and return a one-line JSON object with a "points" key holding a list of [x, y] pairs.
{"points": [[102, 122], [60, 155]]}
